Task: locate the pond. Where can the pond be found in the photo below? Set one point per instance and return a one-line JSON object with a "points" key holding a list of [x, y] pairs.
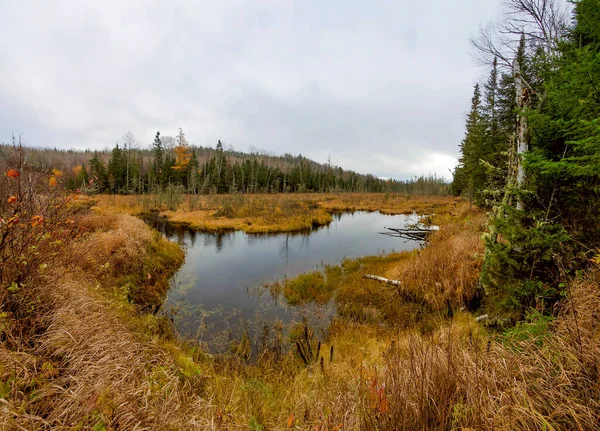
{"points": [[217, 293]]}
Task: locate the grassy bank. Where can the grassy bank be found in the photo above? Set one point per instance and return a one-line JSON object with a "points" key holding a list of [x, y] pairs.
{"points": [[269, 213], [76, 335], [435, 280]]}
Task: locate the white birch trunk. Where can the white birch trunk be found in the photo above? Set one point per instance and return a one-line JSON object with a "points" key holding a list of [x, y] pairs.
{"points": [[522, 147], [382, 279]]}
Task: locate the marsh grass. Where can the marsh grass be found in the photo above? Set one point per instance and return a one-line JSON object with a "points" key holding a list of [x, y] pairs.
{"points": [[268, 213], [435, 280]]}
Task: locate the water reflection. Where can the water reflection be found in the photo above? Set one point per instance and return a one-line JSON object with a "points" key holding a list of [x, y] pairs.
{"points": [[216, 294]]}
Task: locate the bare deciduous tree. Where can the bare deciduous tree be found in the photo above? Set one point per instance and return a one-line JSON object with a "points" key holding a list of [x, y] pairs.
{"points": [[542, 22]]}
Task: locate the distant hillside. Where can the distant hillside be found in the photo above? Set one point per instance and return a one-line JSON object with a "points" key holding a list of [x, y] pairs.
{"points": [[129, 169]]}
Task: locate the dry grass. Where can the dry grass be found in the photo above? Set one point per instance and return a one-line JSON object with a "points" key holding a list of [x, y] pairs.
{"points": [[388, 203], [448, 268], [455, 380], [272, 213], [87, 368], [124, 252], [444, 274]]}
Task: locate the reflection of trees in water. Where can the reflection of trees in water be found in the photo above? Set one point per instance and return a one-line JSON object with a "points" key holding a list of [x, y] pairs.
{"points": [[162, 225], [284, 250], [215, 239], [192, 236], [184, 235]]}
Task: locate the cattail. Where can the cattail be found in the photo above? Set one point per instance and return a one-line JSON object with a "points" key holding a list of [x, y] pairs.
{"points": [[318, 349], [301, 352], [331, 355], [322, 365]]}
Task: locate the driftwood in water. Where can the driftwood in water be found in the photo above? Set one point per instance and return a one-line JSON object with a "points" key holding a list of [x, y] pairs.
{"points": [[409, 296], [412, 234]]}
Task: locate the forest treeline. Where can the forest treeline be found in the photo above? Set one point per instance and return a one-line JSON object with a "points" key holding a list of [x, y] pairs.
{"points": [[531, 151], [173, 162]]}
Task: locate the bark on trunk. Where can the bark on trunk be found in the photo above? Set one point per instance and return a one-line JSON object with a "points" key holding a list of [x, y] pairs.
{"points": [[522, 147]]}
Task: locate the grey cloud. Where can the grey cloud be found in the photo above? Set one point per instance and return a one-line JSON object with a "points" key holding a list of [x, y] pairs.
{"points": [[380, 86]]}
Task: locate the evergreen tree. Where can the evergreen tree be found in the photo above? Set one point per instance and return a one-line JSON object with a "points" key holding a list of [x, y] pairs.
{"points": [[192, 174], [98, 173], [159, 151], [470, 174], [117, 170], [531, 248]]}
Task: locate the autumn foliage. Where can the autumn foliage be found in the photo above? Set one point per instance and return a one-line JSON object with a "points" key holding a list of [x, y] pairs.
{"points": [[34, 222]]}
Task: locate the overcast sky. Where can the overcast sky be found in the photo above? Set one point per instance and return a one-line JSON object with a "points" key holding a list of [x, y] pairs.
{"points": [[381, 86]]}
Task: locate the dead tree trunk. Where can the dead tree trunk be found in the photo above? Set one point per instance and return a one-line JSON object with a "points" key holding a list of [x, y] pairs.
{"points": [[522, 127]]}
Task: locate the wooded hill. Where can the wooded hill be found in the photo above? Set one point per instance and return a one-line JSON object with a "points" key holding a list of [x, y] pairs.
{"points": [[173, 162]]}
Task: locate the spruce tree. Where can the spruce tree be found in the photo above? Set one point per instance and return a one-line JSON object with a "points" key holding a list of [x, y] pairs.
{"points": [[98, 173], [159, 151], [470, 174], [117, 170]]}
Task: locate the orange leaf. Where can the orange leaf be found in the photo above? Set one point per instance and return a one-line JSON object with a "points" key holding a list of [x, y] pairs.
{"points": [[12, 199], [13, 221], [52, 181], [290, 420], [12, 173], [35, 220]]}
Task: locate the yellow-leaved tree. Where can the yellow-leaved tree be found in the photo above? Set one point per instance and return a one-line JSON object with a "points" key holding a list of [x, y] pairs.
{"points": [[182, 151]]}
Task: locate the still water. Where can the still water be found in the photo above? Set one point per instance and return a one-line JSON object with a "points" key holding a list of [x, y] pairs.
{"points": [[218, 290]]}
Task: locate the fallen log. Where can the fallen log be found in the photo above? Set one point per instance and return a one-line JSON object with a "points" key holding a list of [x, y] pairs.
{"points": [[409, 296], [382, 279]]}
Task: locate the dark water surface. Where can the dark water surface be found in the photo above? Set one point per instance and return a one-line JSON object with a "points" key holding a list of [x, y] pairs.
{"points": [[217, 292]]}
